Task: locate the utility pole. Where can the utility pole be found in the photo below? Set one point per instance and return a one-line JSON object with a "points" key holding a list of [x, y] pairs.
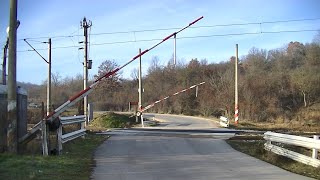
{"points": [[174, 50], [236, 110], [140, 87], [44, 125], [49, 78], [12, 133], [49, 72], [4, 63], [85, 25]]}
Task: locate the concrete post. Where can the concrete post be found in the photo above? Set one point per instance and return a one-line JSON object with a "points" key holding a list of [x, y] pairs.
{"points": [[49, 78], [140, 86], [44, 133], [4, 63], [85, 24], [12, 133], [174, 49], [85, 75]]}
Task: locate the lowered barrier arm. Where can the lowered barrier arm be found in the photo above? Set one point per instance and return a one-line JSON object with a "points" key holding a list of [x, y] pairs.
{"points": [[156, 102]]}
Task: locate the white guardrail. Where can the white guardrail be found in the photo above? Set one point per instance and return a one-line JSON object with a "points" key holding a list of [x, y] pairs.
{"points": [[224, 122], [310, 143], [63, 138]]}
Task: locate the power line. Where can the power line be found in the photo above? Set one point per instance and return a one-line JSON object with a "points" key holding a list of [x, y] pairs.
{"points": [[175, 28], [186, 37]]}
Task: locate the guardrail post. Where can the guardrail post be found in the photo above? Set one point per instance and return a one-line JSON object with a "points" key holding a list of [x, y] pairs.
{"points": [[315, 151], [268, 142], [59, 139], [142, 123], [224, 122]]}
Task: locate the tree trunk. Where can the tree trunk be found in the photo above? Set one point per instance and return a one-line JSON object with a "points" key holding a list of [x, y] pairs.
{"points": [[304, 99]]}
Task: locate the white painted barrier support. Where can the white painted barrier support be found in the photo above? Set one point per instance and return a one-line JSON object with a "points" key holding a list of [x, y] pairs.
{"points": [[315, 151], [142, 123], [224, 122]]}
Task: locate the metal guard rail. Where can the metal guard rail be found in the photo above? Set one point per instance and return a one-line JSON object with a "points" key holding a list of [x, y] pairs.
{"points": [[306, 142], [63, 138]]}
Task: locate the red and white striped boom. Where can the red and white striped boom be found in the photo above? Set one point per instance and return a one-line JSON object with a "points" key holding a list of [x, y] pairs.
{"points": [[74, 99], [156, 102]]}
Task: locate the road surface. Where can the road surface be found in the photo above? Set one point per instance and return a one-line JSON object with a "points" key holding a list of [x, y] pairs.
{"points": [[182, 122], [156, 157]]}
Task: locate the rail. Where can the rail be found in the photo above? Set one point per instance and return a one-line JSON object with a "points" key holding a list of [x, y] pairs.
{"points": [[305, 142]]}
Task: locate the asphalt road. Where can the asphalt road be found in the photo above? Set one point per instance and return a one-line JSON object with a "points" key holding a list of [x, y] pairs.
{"points": [[153, 157], [182, 122]]}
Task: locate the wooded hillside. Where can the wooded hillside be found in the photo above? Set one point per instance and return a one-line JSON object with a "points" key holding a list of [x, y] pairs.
{"points": [[275, 84]]}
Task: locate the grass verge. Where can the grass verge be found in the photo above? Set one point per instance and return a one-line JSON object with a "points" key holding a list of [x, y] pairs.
{"points": [[292, 127], [111, 120], [76, 162], [255, 148]]}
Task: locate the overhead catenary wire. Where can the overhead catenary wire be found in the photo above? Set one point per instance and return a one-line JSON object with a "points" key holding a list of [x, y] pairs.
{"points": [[175, 28], [36, 51], [185, 37]]}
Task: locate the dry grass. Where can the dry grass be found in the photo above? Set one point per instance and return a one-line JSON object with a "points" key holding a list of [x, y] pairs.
{"points": [[305, 120], [34, 115], [294, 127]]}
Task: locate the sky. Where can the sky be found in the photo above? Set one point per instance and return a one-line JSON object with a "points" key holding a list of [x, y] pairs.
{"points": [[60, 20]]}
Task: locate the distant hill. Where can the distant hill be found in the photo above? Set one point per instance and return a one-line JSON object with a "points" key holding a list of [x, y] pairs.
{"points": [[34, 90], [28, 86], [24, 85]]}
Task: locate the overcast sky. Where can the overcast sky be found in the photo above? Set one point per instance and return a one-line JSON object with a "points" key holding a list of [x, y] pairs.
{"points": [[56, 18]]}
